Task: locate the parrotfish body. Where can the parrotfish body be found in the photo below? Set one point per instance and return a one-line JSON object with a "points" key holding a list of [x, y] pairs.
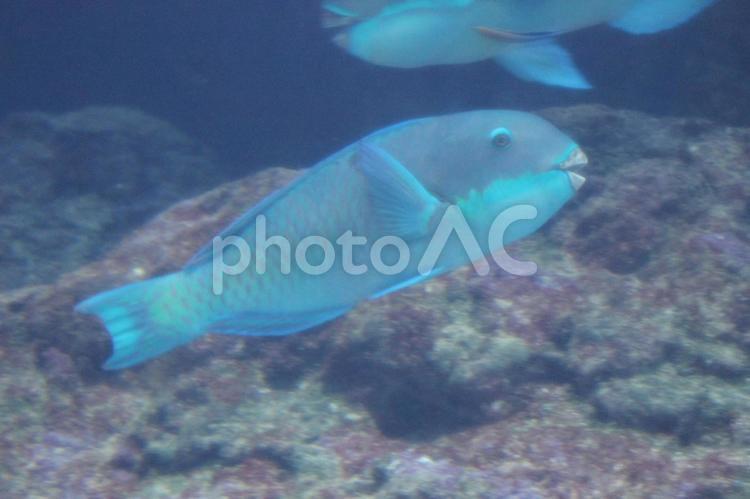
{"points": [[518, 34], [398, 182]]}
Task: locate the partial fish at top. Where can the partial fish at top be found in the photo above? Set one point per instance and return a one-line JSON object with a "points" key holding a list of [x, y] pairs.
{"points": [[518, 34], [345, 12], [336, 13]]}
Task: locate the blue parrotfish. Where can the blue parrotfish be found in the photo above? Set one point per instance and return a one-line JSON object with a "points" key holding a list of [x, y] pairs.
{"points": [[399, 183], [518, 34]]}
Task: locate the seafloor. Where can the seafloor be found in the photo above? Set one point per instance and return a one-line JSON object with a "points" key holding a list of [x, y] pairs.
{"points": [[621, 370]]}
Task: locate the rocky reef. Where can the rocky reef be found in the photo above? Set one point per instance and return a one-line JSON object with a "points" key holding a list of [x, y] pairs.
{"points": [[75, 183], [621, 369]]}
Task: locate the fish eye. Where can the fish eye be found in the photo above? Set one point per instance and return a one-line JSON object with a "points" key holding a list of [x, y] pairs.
{"points": [[501, 138]]}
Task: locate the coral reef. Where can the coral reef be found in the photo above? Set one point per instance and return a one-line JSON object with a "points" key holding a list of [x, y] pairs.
{"points": [[621, 369]]}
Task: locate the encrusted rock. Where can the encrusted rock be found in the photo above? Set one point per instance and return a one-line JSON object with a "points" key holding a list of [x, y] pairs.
{"points": [[629, 343]]}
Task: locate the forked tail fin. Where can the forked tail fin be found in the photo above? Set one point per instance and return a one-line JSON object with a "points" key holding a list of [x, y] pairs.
{"points": [[139, 328]]}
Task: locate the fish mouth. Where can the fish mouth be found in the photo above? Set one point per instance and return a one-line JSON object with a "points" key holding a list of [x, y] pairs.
{"points": [[575, 159]]}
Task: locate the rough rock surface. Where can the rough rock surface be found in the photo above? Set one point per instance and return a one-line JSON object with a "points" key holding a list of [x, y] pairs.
{"points": [[620, 370], [73, 183]]}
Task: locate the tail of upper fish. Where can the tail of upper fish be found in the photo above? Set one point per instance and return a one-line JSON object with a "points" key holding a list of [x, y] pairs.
{"points": [[651, 16], [339, 13], [137, 321], [333, 16]]}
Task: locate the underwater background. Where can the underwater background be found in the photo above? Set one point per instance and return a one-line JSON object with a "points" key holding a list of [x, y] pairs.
{"points": [[131, 132]]}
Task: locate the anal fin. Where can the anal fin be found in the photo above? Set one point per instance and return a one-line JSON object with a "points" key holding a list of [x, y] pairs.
{"points": [[512, 37], [274, 323], [543, 61]]}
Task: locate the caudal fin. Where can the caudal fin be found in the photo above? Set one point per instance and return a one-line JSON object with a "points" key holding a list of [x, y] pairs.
{"points": [[651, 16], [130, 316]]}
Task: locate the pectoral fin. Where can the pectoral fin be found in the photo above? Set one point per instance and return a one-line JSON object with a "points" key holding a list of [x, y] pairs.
{"points": [[651, 16], [402, 206], [542, 61]]}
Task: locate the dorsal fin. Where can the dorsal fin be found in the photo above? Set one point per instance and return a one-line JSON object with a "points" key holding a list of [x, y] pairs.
{"points": [[513, 37], [246, 220]]}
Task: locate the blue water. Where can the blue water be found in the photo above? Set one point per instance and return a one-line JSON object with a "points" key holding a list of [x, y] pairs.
{"points": [[261, 84]]}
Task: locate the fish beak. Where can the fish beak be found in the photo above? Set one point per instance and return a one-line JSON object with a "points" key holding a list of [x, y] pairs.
{"points": [[576, 180], [577, 158]]}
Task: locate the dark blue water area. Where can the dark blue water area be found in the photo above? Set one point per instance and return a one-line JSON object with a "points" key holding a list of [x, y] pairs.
{"points": [[261, 83]]}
